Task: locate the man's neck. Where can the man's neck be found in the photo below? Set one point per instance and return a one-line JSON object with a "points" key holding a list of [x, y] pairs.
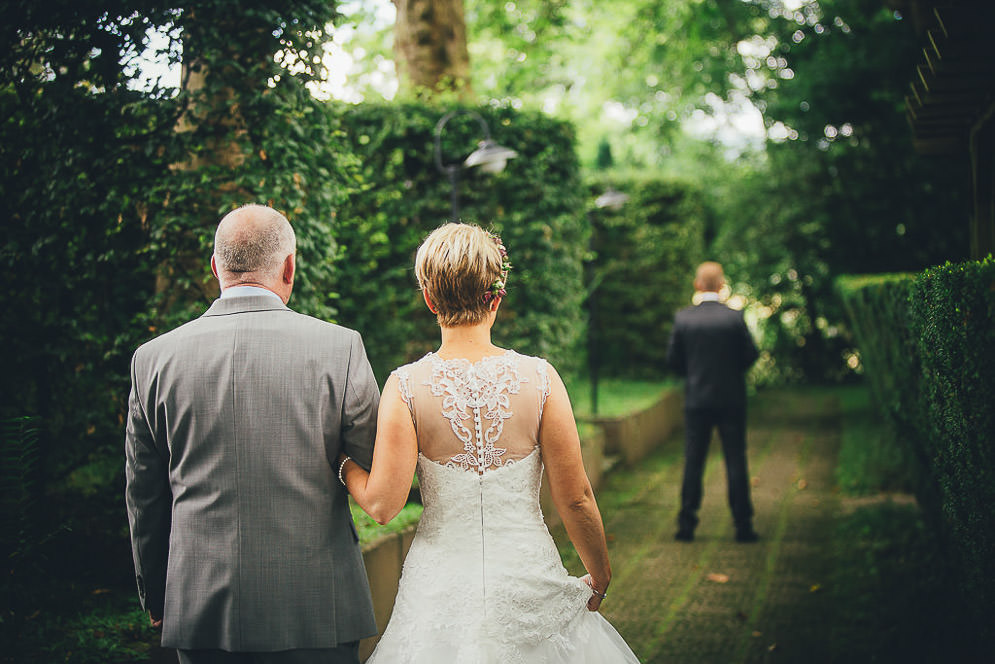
{"points": [[247, 290]]}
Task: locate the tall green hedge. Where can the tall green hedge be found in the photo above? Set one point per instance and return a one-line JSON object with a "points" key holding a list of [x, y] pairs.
{"points": [[953, 319], [108, 223], [929, 348], [644, 257], [536, 204], [877, 307]]}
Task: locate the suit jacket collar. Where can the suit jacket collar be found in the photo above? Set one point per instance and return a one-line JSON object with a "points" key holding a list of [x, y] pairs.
{"points": [[239, 305]]}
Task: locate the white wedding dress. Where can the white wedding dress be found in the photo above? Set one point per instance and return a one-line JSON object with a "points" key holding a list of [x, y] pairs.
{"points": [[483, 582]]}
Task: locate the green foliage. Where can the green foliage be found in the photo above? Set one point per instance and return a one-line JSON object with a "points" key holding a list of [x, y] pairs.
{"points": [[871, 457], [877, 308], [645, 255], [370, 531], [86, 627], [534, 205], [109, 212], [931, 343], [616, 396], [892, 586], [953, 319], [249, 132], [21, 533], [658, 61], [842, 190]]}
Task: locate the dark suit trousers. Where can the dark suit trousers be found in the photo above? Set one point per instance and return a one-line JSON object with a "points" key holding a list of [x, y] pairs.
{"points": [[699, 423], [347, 653]]}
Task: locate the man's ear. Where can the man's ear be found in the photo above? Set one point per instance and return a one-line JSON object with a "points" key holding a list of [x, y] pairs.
{"points": [[214, 268], [289, 269], [495, 303]]}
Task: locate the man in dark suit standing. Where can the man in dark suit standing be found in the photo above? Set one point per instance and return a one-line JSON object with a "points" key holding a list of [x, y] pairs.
{"points": [[711, 347]]}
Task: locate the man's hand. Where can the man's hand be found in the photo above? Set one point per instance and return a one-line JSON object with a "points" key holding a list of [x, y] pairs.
{"points": [[155, 622]]}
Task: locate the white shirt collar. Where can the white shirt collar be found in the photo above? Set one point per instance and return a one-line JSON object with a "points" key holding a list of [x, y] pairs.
{"points": [[708, 296], [246, 291]]}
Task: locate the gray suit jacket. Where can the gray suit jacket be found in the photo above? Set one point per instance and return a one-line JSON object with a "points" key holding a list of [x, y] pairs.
{"points": [[240, 529]]}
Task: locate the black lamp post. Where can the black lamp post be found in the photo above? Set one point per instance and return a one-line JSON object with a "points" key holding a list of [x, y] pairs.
{"points": [[489, 156], [614, 201]]}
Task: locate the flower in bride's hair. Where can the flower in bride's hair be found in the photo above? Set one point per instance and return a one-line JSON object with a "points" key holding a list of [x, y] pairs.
{"points": [[497, 289]]}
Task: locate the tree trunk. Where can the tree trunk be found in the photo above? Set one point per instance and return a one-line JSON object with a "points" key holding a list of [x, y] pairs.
{"points": [[213, 114], [430, 47]]}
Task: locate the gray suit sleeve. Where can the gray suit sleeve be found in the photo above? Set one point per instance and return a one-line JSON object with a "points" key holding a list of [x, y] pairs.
{"points": [[359, 408], [149, 501]]}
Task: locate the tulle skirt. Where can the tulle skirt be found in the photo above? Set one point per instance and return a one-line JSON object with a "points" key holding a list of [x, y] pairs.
{"points": [[586, 639]]}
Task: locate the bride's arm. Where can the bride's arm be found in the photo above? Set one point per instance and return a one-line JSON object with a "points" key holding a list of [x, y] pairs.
{"points": [[571, 489], [383, 491]]}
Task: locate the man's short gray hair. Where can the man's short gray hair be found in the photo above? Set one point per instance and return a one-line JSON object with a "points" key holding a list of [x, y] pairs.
{"points": [[254, 239]]}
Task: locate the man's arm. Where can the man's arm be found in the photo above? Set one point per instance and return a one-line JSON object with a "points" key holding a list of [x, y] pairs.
{"points": [[749, 348], [359, 409], [676, 358], [149, 500]]}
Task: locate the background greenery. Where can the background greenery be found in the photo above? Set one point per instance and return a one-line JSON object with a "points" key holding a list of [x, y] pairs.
{"points": [[536, 206], [643, 259]]}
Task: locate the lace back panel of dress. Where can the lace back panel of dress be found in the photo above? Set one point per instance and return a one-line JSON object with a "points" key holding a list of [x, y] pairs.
{"points": [[477, 416]]}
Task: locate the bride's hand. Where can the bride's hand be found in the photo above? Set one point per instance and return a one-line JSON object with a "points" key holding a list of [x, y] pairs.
{"points": [[597, 595]]}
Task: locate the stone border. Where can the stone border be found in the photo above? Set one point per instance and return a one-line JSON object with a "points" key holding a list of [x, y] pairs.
{"points": [[634, 436], [384, 558]]}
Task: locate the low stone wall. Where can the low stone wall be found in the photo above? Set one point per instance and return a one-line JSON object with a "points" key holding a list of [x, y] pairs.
{"points": [[634, 436], [384, 558]]}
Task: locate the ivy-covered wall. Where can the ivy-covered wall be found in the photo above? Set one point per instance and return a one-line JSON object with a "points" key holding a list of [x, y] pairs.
{"points": [[928, 345], [644, 256], [536, 204]]}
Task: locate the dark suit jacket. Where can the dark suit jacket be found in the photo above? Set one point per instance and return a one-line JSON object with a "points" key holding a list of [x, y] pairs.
{"points": [[241, 531], [711, 347]]}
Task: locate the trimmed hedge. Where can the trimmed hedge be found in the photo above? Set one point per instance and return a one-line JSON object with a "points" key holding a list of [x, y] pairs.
{"points": [[878, 309], [536, 204], [953, 319], [645, 255], [929, 348]]}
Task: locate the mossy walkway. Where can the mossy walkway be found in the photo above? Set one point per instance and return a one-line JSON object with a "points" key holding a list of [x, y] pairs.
{"points": [[718, 601]]}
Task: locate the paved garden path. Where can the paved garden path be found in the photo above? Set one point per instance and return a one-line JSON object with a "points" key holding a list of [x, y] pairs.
{"points": [[715, 600]]}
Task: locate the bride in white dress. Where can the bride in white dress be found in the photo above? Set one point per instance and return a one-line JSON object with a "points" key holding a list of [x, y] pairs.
{"points": [[483, 582]]}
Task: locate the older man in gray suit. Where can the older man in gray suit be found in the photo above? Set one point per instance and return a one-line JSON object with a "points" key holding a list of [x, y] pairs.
{"points": [[244, 547]]}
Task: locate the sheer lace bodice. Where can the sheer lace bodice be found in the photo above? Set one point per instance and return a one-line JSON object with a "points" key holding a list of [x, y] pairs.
{"points": [[482, 581], [476, 416]]}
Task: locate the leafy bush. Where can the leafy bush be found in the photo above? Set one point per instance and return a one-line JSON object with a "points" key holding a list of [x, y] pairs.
{"points": [[536, 205], [109, 211], [644, 258], [953, 318], [929, 348], [878, 310]]}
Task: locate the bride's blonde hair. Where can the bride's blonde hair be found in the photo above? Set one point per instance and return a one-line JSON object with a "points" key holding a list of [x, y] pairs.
{"points": [[457, 266]]}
